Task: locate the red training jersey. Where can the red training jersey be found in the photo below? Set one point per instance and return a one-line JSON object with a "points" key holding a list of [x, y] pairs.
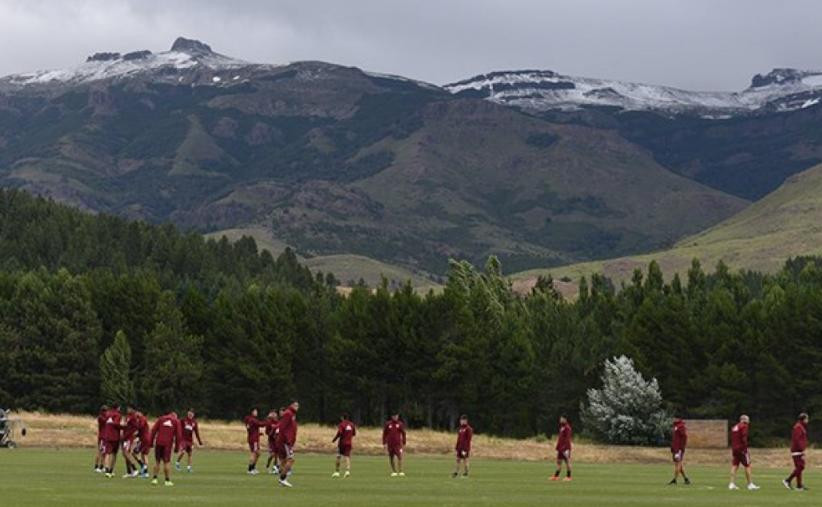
{"points": [[167, 431], [464, 436], [393, 434], [130, 431], [564, 438], [272, 428], [288, 428], [101, 423], [143, 431], [679, 438], [190, 430], [111, 428], [799, 437], [346, 431], [252, 426], [739, 437]]}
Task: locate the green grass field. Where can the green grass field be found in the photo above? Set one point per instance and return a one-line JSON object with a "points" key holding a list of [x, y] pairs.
{"points": [[65, 477]]}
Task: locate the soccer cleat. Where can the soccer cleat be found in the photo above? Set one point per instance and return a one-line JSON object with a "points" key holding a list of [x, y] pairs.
{"points": [[188, 469], [454, 475], [127, 476], [254, 471], [687, 481], [168, 483], [801, 488], [465, 475], [554, 477], [672, 482], [752, 487], [335, 475], [401, 474], [109, 475], [732, 486], [177, 466], [786, 484], [284, 483], [393, 474], [347, 474], [567, 479], [154, 481], [98, 470], [275, 470]]}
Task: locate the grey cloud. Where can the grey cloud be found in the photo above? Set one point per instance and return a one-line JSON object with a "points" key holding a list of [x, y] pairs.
{"points": [[694, 44]]}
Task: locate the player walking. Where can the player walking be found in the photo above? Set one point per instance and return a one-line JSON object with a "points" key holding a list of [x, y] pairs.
{"points": [[190, 429], [286, 440], [463, 447], [346, 431], [252, 426], [144, 445], [111, 439], [393, 441], [272, 428], [740, 453], [563, 448], [99, 465], [679, 440], [129, 437], [166, 436], [799, 442]]}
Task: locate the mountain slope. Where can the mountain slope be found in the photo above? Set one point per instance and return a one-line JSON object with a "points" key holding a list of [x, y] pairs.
{"points": [[337, 161], [786, 223]]}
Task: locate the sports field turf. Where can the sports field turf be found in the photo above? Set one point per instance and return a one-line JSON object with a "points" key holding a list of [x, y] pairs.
{"points": [[64, 477]]}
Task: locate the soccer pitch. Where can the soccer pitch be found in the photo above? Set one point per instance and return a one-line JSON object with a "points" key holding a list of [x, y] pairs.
{"points": [[65, 477]]}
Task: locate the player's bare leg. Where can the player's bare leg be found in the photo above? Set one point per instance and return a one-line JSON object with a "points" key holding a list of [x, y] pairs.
{"points": [[347, 465], [393, 466], [399, 465], [252, 461], [732, 484], [167, 472], [456, 468], [285, 469]]}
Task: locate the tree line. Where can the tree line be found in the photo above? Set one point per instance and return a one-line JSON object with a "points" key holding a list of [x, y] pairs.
{"points": [[223, 327]]}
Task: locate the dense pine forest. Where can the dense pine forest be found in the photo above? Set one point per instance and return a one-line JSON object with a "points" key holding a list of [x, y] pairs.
{"points": [[223, 327]]}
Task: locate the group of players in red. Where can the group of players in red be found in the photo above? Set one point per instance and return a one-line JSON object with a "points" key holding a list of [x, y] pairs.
{"points": [[132, 435], [169, 434], [740, 453]]}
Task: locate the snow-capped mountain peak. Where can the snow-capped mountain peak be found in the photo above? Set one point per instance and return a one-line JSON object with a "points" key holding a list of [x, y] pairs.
{"points": [[545, 90], [180, 63]]}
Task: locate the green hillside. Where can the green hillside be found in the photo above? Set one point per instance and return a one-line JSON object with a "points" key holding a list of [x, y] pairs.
{"points": [[785, 223]]}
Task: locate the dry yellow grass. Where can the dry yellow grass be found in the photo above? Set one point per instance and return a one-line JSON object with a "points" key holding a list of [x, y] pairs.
{"points": [[51, 430]]}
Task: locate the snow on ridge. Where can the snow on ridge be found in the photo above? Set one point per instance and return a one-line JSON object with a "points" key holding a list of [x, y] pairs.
{"points": [[547, 90]]}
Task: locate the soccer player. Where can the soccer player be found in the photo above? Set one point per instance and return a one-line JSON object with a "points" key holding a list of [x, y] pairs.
{"points": [[272, 424], [346, 431], [463, 447], [129, 436], [563, 449], [679, 440], [799, 442], [393, 441], [142, 449], [739, 452], [166, 436], [252, 426], [99, 456], [286, 439], [111, 439], [190, 429]]}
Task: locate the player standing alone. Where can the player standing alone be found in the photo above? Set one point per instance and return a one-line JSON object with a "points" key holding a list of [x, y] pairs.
{"points": [[679, 440], [463, 447], [393, 441], [190, 429], [166, 435], [286, 440], [252, 426], [563, 449], [740, 453], [799, 442], [346, 431]]}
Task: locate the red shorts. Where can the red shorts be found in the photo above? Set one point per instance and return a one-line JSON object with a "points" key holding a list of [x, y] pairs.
{"points": [[741, 458], [799, 462], [110, 446], [564, 455], [101, 445], [272, 446], [254, 446], [162, 453], [186, 447], [285, 451], [395, 451], [678, 456], [344, 450], [463, 453]]}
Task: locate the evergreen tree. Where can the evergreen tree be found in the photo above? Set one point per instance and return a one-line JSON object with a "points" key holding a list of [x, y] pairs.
{"points": [[115, 365]]}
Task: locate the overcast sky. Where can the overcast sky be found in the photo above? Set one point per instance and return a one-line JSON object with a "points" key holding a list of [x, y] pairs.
{"points": [[694, 44]]}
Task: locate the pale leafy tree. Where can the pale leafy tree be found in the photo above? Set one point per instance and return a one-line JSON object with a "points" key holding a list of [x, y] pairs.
{"points": [[115, 363], [627, 409]]}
